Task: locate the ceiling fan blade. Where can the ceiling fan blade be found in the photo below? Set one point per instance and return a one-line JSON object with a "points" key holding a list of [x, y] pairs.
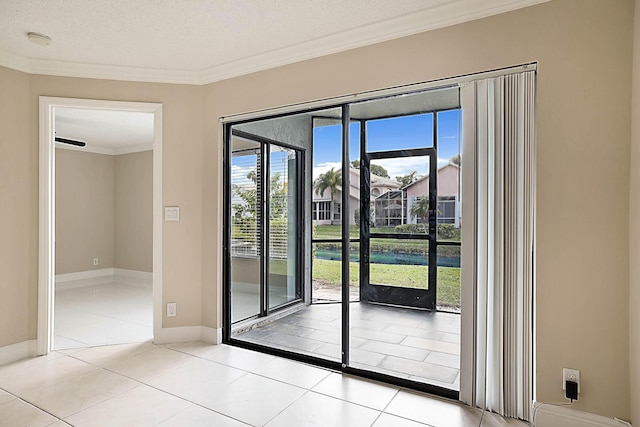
{"points": [[71, 141]]}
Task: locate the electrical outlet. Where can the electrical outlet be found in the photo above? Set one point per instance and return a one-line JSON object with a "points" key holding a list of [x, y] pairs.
{"points": [[172, 309], [95, 261], [569, 374]]}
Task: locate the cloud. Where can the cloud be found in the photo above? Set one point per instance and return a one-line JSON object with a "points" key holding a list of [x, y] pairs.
{"points": [[239, 174], [403, 165], [321, 168], [395, 167]]}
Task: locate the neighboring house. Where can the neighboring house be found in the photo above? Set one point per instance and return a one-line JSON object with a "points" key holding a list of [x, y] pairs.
{"points": [[449, 209], [328, 211], [390, 204]]}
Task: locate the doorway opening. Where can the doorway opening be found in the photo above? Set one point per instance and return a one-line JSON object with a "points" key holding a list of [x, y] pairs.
{"points": [[377, 282], [100, 164]]}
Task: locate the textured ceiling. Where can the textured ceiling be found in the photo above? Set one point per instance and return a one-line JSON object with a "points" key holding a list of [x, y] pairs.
{"points": [[188, 35], [206, 40], [105, 131]]}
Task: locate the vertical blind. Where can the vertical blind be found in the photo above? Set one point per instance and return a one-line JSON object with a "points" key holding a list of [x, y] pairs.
{"points": [[504, 241]]}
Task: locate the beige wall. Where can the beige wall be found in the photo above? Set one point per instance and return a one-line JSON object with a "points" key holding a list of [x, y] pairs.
{"points": [[134, 211], [19, 205], [182, 184], [634, 228], [104, 211], [583, 48], [85, 216]]}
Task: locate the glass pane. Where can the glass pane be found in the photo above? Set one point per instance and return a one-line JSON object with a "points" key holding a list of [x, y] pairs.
{"points": [[399, 262], [245, 239], [449, 174], [404, 121], [401, 204], [284, 284], [327, 272], [400, 133], [327, 177], [327, 212], [448, 295]]}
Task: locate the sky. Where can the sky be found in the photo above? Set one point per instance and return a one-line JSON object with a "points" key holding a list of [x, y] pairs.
{"points": [[390, 134]]}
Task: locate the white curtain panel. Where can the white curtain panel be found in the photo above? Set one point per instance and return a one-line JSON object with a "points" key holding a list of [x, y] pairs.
{"points": [[504, 241]]}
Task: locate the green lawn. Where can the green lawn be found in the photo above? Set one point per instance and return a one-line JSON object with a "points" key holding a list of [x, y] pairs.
{"points": [[410, 276]]}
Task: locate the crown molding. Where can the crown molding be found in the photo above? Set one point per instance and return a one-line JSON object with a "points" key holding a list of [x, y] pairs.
{"points": [[14, 62], [426, 20], [111, 72], [415, 23]]}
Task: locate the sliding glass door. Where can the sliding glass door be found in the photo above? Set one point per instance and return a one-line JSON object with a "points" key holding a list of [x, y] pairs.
{"points": [[265, 245], [336, 239]]}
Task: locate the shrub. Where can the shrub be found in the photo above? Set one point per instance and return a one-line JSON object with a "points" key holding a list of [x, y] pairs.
{"points": [[445, 231], [412, 228], [448, 231]]}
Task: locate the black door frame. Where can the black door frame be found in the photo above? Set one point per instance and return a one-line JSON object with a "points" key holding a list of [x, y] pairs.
{"points": [[343, 365], [263, 215], [396, 295]]}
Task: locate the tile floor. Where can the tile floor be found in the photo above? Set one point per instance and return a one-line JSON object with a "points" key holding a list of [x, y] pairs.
{"points": [[418, 345], [197, 384], [115, 311]]}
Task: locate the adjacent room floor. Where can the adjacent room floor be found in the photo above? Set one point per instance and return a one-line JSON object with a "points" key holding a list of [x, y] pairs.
{"points": [[114, 311], [196, 384], [418, 345]]}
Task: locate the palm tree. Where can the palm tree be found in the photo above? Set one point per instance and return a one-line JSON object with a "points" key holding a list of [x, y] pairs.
{"points": [[329, 180], [407, 179], [420, 208]]}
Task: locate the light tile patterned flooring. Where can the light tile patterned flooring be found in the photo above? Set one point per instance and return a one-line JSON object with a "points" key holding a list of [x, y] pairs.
{"points": [[113, 312], [418, 345], [196, 384]]}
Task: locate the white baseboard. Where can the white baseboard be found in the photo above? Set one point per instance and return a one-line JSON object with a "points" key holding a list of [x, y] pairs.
{"points": [[104, 275], [562, 416], [211, 335], [21, 350], [188, 333], [82, 275]]}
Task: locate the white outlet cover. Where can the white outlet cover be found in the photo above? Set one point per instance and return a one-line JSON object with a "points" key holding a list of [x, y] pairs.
{"points": [[569, 374]]}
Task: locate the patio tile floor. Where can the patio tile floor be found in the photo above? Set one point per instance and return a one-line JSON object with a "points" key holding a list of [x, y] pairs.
{"points": [[418, 345]]}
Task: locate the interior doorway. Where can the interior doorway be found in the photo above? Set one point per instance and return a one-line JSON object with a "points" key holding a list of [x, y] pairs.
{"points": [[100, 164]]}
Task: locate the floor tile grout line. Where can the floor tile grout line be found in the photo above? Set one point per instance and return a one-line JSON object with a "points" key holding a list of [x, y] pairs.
{"points": [[140, 382], [307, 390], [217, 363], [287, 407], [429, 380], [98, 367], [33, 405], [263, 375], [113, 318]]}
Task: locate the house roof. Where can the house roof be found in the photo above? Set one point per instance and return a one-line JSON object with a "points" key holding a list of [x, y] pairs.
{"points": [[427, 175]]}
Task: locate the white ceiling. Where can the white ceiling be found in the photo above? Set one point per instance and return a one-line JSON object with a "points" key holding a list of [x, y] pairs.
{"points": [[201, 41], [105, 131]]}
